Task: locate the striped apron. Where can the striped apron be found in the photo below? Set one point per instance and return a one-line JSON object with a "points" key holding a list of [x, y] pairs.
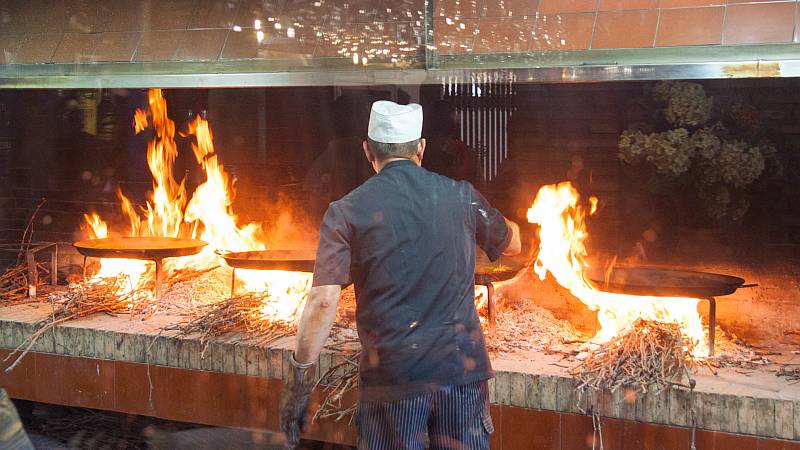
{"points": [[452, 418]]}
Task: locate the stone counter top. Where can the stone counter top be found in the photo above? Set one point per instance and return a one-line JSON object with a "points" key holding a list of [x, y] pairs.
{"points": [[756, 403]]}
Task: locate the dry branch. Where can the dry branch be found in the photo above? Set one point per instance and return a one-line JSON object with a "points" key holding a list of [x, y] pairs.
{"points": [[651, 356], [80, 300], [242, 313], [14, 283], [788, 372], [337, 382]]}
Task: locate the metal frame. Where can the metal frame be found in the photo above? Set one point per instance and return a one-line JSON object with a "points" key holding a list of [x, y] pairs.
{"points": [[30, 261], [702, 62], [158, 275], [712, 323], [491, 310]]}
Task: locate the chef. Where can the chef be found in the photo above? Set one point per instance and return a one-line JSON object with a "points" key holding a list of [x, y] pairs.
{"points": [[406, 238]]}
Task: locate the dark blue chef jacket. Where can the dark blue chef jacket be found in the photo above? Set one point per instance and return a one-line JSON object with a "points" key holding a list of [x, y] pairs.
{"points": [[406, 239]]}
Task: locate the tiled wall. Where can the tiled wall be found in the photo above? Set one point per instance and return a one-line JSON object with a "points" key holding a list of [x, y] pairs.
{"points": [[61, 31], [361, 31], [481, 26]]}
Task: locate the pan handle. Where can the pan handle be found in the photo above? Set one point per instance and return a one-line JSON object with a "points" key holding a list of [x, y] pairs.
{"points": [[221, 253], [748, 285]]}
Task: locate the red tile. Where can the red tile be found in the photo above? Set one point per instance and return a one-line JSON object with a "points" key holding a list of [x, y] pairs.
{"points": [[201, 45], [251, 10], [330, 43], [456, 8], [117, 46], [613, 431], [577, 432], [688, 3], [626, 29], [615, 5], [64, 380], [264, 395], [655, 437], [495, 442], [510, 8], [725, 441], [563, 32], [28, 48], [453, 37], [131, 386], [690, 26], [176, 15], [757, 1], [503, 35], [18, 382], [797, 28], [562, 6], [777, 444], [158, 45], [214, 14], [704, 439], [92, 383], [76, 48], [532, 429], [759, 23]]}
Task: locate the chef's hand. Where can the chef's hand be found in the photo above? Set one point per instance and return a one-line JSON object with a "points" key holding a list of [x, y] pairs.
{"points": [[294, 404]]}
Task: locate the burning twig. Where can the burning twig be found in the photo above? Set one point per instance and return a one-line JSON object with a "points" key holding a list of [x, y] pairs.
{"points": [[652, 355]]}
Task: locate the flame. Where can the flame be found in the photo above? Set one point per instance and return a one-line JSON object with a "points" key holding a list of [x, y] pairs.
{"points": [[562, 253], [207, 214]]}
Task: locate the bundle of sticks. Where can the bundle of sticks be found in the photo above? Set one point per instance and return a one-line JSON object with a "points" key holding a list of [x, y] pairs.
{"points": [[14, 283], [336, 383], [791, 373], [242, 313], [80, 300], [651, 356]]}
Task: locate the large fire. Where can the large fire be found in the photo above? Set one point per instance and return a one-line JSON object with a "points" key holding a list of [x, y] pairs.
{"points": [[207, 214], [562, 252]]}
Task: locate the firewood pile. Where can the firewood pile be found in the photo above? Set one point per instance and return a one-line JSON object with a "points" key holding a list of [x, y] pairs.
{"points": [[14, 283], [651, 356], [731, 351], [79, 300], [524, 326], [188, 289], [789, 372], [240, 314]]}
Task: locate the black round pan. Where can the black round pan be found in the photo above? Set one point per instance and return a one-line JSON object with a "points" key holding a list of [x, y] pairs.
{"points": [[147, 248], [663, 282], [290, 260]]}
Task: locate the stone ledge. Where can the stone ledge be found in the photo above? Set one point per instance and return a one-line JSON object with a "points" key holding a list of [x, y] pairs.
{"points": [[760, 405]]}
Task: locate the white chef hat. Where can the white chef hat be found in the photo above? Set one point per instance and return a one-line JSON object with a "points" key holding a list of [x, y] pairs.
{"points": [[391, 123]]}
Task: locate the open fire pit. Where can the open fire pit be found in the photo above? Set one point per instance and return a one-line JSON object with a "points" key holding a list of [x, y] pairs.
{"points": [[227, 302], [140, 248], [669, 283]]}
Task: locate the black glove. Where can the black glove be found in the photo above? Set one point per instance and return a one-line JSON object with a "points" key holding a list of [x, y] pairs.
{"points": [[294, 404]]}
